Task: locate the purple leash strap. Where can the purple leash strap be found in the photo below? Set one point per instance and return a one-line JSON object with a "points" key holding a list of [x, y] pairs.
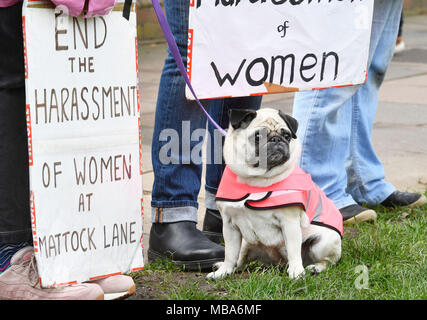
{"points": [[177, 56]]}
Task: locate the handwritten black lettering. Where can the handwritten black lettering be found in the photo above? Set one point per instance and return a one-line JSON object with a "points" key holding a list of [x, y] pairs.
{"points": [[91, 170], [277, 67], [235, 3], [75, 104]]}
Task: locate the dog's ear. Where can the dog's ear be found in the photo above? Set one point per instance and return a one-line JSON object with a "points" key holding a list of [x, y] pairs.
{"points": [[292, 123], [241, 118]]}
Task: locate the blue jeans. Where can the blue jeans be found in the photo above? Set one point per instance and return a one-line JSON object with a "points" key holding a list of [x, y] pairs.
{"points": [[177, 180], [335, 125]]}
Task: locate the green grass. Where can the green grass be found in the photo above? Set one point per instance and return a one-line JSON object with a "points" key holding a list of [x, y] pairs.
{"points": [[393, 251]]}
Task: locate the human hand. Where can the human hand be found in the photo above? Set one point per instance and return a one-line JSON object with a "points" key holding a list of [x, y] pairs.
{"points": [[100, 7], [94, 8]]}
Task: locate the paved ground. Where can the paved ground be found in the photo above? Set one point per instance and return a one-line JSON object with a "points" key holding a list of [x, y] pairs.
{"points": [[400, 131]]}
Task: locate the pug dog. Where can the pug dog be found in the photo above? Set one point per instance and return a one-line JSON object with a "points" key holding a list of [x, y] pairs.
{"points": [[267, 203]]}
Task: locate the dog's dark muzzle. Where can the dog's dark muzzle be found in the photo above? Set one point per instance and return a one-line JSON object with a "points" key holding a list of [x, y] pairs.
{"points": [[277, 151]]}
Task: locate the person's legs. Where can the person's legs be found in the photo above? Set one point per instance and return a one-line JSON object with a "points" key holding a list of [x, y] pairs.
{"points": [[400, 44], [176, 175], [328, 120], [324, 131], [402, 21], [180, 127], [365, 171], [15, 223], [366, 174], [15, 219]]}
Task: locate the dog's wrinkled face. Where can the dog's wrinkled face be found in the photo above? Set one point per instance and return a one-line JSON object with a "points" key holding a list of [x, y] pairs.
{"points": [[273, 140], [261, 143]]}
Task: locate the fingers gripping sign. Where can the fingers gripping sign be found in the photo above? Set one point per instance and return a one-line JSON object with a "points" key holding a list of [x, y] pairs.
{"points": [[90, 8]]}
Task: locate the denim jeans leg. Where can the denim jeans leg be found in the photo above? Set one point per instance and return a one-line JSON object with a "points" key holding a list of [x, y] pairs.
{"points": [[215, 163], [176, 174], [328, 119], [366, 174], [324, 132]]}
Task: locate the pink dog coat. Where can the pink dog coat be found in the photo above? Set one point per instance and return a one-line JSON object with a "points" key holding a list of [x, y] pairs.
{"points": [[296, 190]]}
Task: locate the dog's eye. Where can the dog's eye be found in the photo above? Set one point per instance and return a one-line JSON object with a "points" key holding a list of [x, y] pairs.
{"points": [[285, 134], [257, 136]]}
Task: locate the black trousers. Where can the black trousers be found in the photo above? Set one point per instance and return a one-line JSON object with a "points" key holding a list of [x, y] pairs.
{"points": [[15, 219], [401, 26]]}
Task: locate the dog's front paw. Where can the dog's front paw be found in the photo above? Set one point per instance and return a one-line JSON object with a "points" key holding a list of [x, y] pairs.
{"points": [[317, 267], [223, 270], [296, 271]]}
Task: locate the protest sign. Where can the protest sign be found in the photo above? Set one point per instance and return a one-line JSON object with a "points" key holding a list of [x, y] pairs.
{"points": [[84, 141], [252, 47]]}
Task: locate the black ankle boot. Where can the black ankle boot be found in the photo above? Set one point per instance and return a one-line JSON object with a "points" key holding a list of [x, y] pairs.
{"points": [[212, 226], [183, 244]]}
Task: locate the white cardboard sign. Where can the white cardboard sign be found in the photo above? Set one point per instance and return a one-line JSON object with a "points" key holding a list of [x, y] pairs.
{"points": [[252, 47], [83, 125]]}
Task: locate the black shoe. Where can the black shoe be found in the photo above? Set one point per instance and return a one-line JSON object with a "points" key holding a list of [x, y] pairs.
{"points": [[183, 244], [355, 213], [212, 226], [404, 199]]}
